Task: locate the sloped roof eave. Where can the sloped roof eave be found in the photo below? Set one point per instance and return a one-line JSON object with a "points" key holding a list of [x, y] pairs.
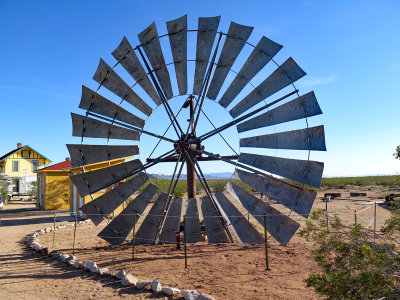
{"points": [[97, 163], [7, 155]]}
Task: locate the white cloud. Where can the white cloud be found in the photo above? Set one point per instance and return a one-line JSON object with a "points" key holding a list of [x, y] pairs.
{"points": [[313, 81]]}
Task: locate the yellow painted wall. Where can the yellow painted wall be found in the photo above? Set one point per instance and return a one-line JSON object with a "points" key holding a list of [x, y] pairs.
{"points": [[55, 190], [25, 163], [87, 198]]}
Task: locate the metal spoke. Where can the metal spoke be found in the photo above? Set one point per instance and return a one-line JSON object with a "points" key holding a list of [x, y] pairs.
{"points": [[208, 192], [153, 162], [170, 195], [165, 132], [238, 164], [131, 127], [234, 122], [207, 82], [162, 97], [226, 142]]}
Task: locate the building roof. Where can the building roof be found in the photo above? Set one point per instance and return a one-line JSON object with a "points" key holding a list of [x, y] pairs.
{"points": [[5, 156], [57, 167]]}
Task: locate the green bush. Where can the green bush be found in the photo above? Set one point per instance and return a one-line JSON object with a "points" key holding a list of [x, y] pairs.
{"points": [[353, 265]]}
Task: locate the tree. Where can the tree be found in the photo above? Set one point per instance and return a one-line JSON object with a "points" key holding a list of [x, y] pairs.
{"points": [[353, 265], [33, 189], [396, 153], [4, 184]]}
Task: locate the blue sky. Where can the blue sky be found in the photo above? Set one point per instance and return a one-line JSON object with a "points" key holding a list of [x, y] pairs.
{"points": [[349, 49]]}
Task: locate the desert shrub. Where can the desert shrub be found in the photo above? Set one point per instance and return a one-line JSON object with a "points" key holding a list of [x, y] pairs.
{"points": [[352, 265]]}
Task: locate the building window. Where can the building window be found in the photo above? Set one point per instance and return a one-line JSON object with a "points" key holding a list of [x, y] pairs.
{"points": [[35, 165], [15, 166]]}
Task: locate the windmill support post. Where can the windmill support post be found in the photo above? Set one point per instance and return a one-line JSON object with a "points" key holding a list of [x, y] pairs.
{"points": [[191, 175]]}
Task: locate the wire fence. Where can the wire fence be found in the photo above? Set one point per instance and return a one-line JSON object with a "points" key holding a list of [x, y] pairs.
{"points": [[366, 218]]}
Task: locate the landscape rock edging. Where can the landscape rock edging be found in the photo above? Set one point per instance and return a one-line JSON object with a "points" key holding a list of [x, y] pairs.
{"points": [[127, 279]]}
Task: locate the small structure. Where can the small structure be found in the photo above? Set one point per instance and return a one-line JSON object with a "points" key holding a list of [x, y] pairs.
{"points": [[53, 190], [76, 201], [19, 166], [56, 190]]}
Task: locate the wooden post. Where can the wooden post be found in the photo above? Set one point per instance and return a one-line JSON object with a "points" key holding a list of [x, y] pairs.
{"points": [[266, 244], [73, 243], [133, 237], [184, 240], [54, 229], [191, 174]]}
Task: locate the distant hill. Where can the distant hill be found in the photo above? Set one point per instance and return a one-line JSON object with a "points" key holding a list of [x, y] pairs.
{"points": [[222, 175]]}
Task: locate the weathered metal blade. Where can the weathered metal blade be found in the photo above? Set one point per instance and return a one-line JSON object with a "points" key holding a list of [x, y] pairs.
{"points": [[207, 29], [94, 181], [312, 138], [243, 230], [302, 107], [298, 200], [104, 205], [96, 103], [129, 60], [192, 222], [117, 231], [89, 127], [261, 55], [89, 154], [281, 227], [214, 229], [106, 76], [234, 42], [286, 74], [177, 33], [172, 222], [148, 230], [151, 45], [304, 171]]}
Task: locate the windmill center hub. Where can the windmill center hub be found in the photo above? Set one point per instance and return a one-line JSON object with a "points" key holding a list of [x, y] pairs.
{"points": [[187, 144]]}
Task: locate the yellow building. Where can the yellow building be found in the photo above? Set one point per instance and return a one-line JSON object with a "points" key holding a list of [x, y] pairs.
{"points": [[53, 191], [19, 166], [56, 190], [76, 201]]}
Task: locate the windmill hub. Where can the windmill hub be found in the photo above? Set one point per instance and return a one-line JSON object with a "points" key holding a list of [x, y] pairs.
{"points": [[188, 144]]}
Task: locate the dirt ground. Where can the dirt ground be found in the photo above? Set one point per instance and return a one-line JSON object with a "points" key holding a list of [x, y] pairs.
{"points": [[231, 271]]}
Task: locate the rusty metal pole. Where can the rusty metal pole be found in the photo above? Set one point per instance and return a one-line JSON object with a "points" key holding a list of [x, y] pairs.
{"points": [[191, 175]]}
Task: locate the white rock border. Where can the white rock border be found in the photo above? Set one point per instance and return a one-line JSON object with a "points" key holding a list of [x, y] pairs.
{"points": [[127, 279]]}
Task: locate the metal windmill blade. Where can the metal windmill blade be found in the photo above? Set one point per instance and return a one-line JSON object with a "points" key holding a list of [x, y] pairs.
{"points": [[219, 76]]}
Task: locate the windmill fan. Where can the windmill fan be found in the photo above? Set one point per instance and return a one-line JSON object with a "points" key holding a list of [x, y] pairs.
{"points": [[216, 52]]}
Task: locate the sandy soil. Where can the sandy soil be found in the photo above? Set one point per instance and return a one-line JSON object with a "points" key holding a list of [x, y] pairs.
{"points": [[26, 275], [225, 271]]}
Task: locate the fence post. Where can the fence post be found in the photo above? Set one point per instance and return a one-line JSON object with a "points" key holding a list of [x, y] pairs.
{"points": [[327, 219], [184, 240], [374, 222], [54, 229], [133, 237], [73, 243], [355, 219], [266, 244]]}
